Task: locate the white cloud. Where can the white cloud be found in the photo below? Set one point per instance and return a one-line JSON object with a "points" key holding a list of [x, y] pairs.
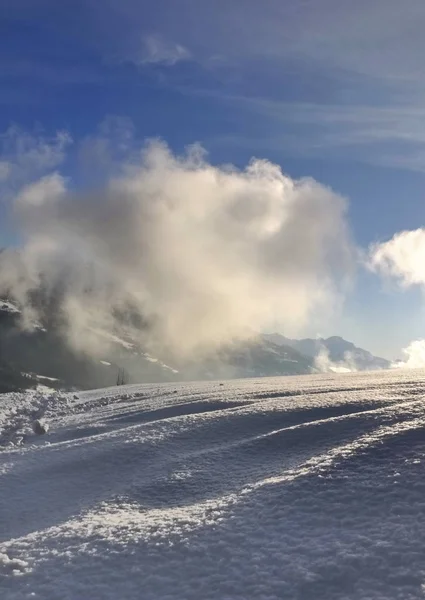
{"points": [[157, 50], [204, 253], [402, 257], [323, 363], [46, 190], [415, 356]]}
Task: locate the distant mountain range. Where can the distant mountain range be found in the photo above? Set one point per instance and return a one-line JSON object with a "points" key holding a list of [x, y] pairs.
{"points": [[41, 357], [338, 351]]}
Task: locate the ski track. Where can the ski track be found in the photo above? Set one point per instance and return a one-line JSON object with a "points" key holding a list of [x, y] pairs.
{"points": [[297, 487]]}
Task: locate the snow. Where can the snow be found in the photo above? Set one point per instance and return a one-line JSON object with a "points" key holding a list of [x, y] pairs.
{"points": [[152, 359], [46, 378], [113, 338], [9, 307], [164, 366], [300, 487]]}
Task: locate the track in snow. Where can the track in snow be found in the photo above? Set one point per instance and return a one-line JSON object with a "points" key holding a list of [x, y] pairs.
{"points": [[309, 487]]}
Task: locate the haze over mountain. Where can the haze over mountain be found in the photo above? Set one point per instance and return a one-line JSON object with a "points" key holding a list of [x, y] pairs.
{"points": [[334, 350], [40, 354]]}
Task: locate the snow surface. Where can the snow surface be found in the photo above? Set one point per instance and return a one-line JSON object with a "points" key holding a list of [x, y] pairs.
{"points": [[295, 488]]}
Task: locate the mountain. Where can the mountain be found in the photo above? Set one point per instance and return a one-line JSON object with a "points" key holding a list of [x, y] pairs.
{"points": [[42, 357], [257, 357], [38, 356], [334, 349]]}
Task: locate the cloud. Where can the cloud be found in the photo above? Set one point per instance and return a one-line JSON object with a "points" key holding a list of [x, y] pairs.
{"points": [[204, 254], [105, 151], [24, 156], [324, 364], [321, 67], [380, 39], [415, 356], [402, 257], [384, 135], [43, 192], [157, 50]]}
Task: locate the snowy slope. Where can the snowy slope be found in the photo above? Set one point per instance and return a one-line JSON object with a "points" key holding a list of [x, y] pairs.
{"points": [[298, 488]]}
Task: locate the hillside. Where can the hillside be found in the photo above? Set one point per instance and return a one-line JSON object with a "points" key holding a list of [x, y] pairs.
{"points": [[43, 351]]}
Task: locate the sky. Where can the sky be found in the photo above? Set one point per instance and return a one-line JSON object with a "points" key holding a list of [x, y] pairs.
{"points": [[332, 92]]}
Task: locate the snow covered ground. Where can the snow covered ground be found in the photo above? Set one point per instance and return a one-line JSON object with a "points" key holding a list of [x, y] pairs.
{"points": [[294, 488]]}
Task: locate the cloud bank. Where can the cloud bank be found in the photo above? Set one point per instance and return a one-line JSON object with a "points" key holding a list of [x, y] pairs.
{"points": [[203, 254]]}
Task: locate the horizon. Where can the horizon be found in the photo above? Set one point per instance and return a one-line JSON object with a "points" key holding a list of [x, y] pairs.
{"points": [[218, 167]]}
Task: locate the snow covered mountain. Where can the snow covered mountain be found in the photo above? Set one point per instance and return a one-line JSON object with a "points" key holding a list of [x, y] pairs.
{"points": [[42, 351], [306, 488], [337, 350], [25, 356]]}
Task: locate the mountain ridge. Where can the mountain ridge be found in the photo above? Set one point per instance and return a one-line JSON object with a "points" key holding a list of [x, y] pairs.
{"points": [[339, 351], [27, 358]]}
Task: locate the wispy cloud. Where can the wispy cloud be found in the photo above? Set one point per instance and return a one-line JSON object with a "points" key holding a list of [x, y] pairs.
{"points": [[381, 39], [25, 156], [357, 68], [156, 50], [390, 135], [104, 150]]}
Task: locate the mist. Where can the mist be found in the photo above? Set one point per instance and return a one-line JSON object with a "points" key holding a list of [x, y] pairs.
{"points": [[414, 355], [202, 254], [325, 364]]}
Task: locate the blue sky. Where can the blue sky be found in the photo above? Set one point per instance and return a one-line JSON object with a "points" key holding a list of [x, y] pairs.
{"points": [[329, 89]]}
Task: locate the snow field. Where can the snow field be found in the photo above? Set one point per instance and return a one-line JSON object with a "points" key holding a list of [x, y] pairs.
{"points": [[298, 488]]}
